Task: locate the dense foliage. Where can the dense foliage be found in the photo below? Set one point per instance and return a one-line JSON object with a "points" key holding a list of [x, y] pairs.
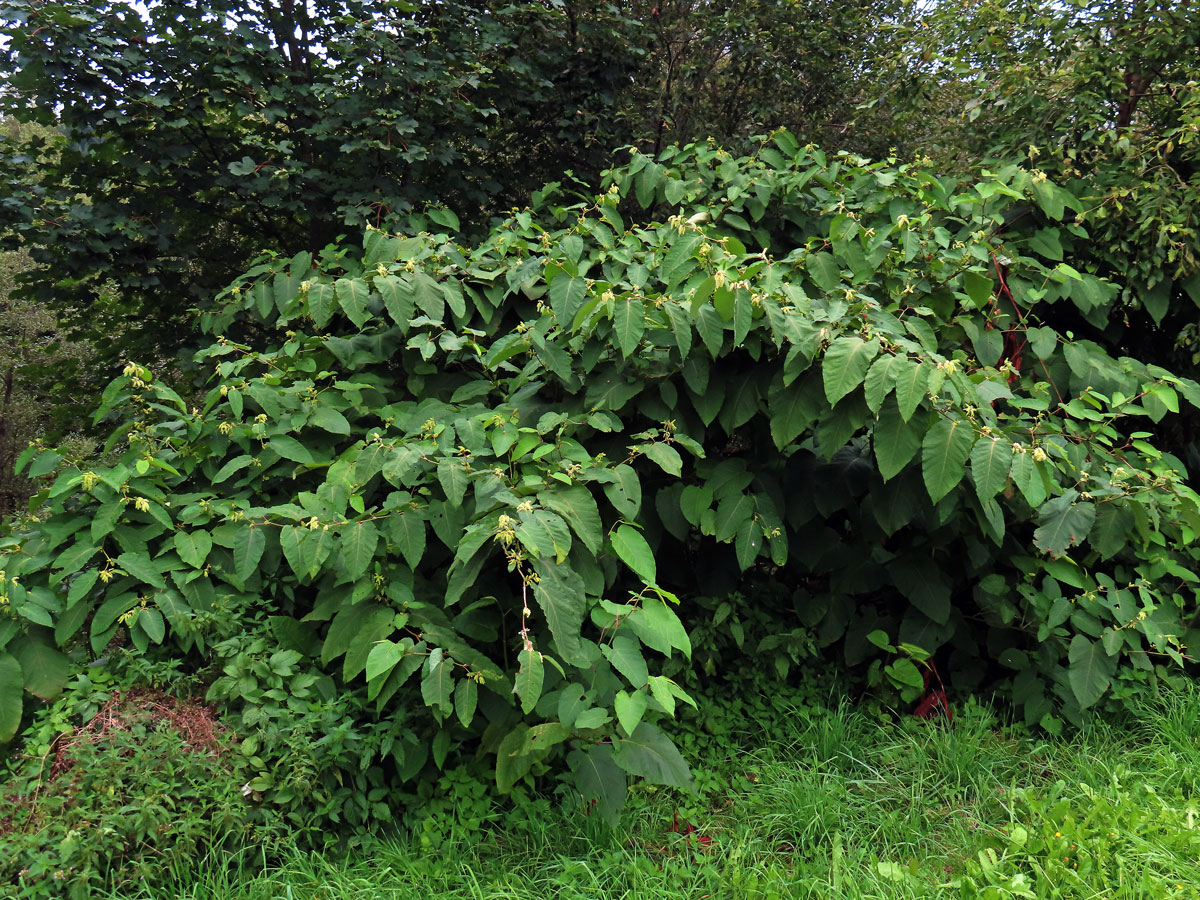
{"points": [[457, 498], [283, 125], [1104, 96]]}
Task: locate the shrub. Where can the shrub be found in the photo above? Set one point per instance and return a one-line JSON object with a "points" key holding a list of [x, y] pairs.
{"points": [[455, 494], [144, 789]]}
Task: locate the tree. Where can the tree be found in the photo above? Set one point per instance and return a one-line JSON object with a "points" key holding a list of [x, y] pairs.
{"points": [[1102, 97], [279, 124], [728, 70]]}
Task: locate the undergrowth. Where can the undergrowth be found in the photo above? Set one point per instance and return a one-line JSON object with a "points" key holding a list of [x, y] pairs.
{"points": [[800, 795]]}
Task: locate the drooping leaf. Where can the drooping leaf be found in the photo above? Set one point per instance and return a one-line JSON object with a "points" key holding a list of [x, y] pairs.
{"points": [[248, 549], [650, 754], [895, 441], [1090, 670], [137, 563], [359, 541], [626, 657], [560, 596], [732, 513], [1066, 522], [352, 296], [397, 299], [382, 659], [530, 676], [466, 699], [991, 461], [437, 682], [45, 669], [600, 781], [925, 586], [823, 269], [578, 507], [629, 323], [944, 453], [911, 378], [407, 531], [630, 707], [666, 456], [633, 550], [625, 493], [567, 293], [330, 420], [845, 365], [291, 449], [12, 684], [658, 627], [453, 478]]}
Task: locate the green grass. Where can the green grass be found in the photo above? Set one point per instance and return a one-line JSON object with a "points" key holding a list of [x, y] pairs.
{"points": [[822, 803]]}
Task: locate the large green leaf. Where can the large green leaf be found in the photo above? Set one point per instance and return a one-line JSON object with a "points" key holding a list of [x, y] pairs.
{"points": [[347, 625], [629, 323], [626, 657], [193, 547], [1090, 671], [560, 596], [437, 682], [530, 676], [397, 299], [138, 564], [924, 584], [566, 296], [895, 441], [633, 550], [711, 328], [600, 781], [44, 668], [625, 493], [453, 477], [382, 659], [330, 420], [630, 707], [358, 548], [658, 627], [407, 531], [578, 507], [991, 460], [793, 410], [845, 365], [1066, 522], [680, 260], [978, 287], [352, 296], [291, 449], [650, 754], [732, 513], [944, 453], [12, 684], [248, 547], [321, 303], [881, 378], [666, 456], [823, 269], [911, 378]]}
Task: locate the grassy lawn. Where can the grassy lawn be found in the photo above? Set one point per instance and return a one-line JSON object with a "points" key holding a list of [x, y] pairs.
{"points": [[803, 800]]}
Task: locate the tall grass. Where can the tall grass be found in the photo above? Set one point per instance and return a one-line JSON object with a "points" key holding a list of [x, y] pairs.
{"points": [[839, 803]]}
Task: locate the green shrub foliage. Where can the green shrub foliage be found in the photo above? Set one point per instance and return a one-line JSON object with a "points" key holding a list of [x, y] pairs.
{"points": [[474, 487]]}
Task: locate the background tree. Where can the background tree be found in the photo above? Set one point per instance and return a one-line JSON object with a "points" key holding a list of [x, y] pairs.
{"points": [[189, 136]]}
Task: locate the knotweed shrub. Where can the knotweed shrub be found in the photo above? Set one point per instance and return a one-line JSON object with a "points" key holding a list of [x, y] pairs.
{"points": [[459, 497]]}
